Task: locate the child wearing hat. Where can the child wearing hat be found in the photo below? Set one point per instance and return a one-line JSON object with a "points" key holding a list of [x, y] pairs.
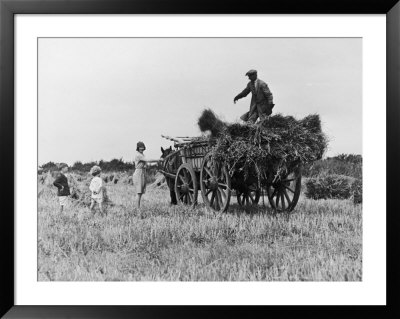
{"points": [[96, 187], [61, 182], [139, 176]]}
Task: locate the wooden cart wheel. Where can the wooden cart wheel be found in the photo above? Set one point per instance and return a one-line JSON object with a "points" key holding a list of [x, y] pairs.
{"points": [[284, 194], [215, 185], [248, 195], [186, 185]]}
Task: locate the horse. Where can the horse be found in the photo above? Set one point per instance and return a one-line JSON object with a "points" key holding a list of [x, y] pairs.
{"points": [[171, 163]]}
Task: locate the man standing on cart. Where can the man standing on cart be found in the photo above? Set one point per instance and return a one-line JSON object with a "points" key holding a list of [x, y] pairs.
{"points": [[261, 100]]}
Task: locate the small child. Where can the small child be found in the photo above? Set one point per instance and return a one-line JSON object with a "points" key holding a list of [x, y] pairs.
{"points": [[96, 187], [61, 182]]}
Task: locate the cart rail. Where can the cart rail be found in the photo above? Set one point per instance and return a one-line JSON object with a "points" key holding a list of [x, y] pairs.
{"points": [[191, 149]]}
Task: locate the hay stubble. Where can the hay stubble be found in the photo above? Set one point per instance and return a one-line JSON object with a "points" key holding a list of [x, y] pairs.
{"points": [[320, 241]]}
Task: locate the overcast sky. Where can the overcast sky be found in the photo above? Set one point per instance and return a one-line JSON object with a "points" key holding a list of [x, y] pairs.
{"points": [[99, 97]]}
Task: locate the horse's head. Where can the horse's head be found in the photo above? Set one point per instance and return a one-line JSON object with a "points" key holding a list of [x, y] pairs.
{"points": [[166, 152], [170, 158]]}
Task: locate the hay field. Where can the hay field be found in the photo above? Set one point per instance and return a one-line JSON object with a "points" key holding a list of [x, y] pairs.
{"points": [[320, 241]]}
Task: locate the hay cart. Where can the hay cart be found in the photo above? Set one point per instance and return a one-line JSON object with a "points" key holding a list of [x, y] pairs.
{"points": [[197, 171]]}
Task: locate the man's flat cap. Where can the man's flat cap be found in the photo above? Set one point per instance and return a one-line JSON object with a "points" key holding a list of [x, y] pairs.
{"points": [[251, 72]]}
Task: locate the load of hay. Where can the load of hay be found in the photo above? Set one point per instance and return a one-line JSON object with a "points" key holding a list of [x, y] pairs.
{"points": [[274, 146]]}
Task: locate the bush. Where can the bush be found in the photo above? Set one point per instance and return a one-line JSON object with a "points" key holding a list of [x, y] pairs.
{"points": [[356, 191], [344, 164], [117, 165], [329, 186], [49, 167]]}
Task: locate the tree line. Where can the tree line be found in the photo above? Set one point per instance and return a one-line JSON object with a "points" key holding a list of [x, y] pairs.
{"points": [[115, 165]]}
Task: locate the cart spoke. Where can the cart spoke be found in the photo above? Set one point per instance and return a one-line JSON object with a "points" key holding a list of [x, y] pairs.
{"points": [[239, 198], [224, 186], [274, 193], [181, 178], [252, 198], [223, 195], [208, 171], [219, 197], [283, 202], [247, 199], [288, 180], [191, 190], [217, 206], [208, 191], [287, 197], [277, 201], [289, 188], [212, 199]]}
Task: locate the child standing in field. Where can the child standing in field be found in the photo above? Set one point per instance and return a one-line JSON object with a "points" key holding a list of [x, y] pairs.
{"points": [[139, 176], [61, 182], [96, 187]]}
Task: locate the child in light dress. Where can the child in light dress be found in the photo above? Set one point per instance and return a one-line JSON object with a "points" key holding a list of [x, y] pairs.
{"points": [[139, 176], [96, 187]]}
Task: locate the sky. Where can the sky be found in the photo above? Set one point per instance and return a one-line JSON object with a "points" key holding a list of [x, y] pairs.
{"points": [[99, 96]]}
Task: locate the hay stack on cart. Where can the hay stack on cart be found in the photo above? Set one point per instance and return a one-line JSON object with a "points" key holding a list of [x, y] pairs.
{"points": [[247, 158]]}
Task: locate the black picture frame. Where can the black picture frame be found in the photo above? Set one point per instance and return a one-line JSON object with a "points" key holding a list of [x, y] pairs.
{"points": [[391, 8]]}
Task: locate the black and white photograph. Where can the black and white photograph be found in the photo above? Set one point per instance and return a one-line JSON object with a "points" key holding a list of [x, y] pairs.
{"points": [[200, 159]]}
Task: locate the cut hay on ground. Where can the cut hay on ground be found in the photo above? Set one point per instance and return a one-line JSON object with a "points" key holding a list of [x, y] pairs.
{"points": [[275, 145], [127, 180], [80, 192], [82, 195], [46, 179], [160, 181]]}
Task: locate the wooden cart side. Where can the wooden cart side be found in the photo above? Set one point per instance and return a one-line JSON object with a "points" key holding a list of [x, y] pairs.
{"points": [[194, 153]]}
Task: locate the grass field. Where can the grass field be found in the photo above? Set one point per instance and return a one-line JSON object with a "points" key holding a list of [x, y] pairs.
{"points": [[320, 241]]}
